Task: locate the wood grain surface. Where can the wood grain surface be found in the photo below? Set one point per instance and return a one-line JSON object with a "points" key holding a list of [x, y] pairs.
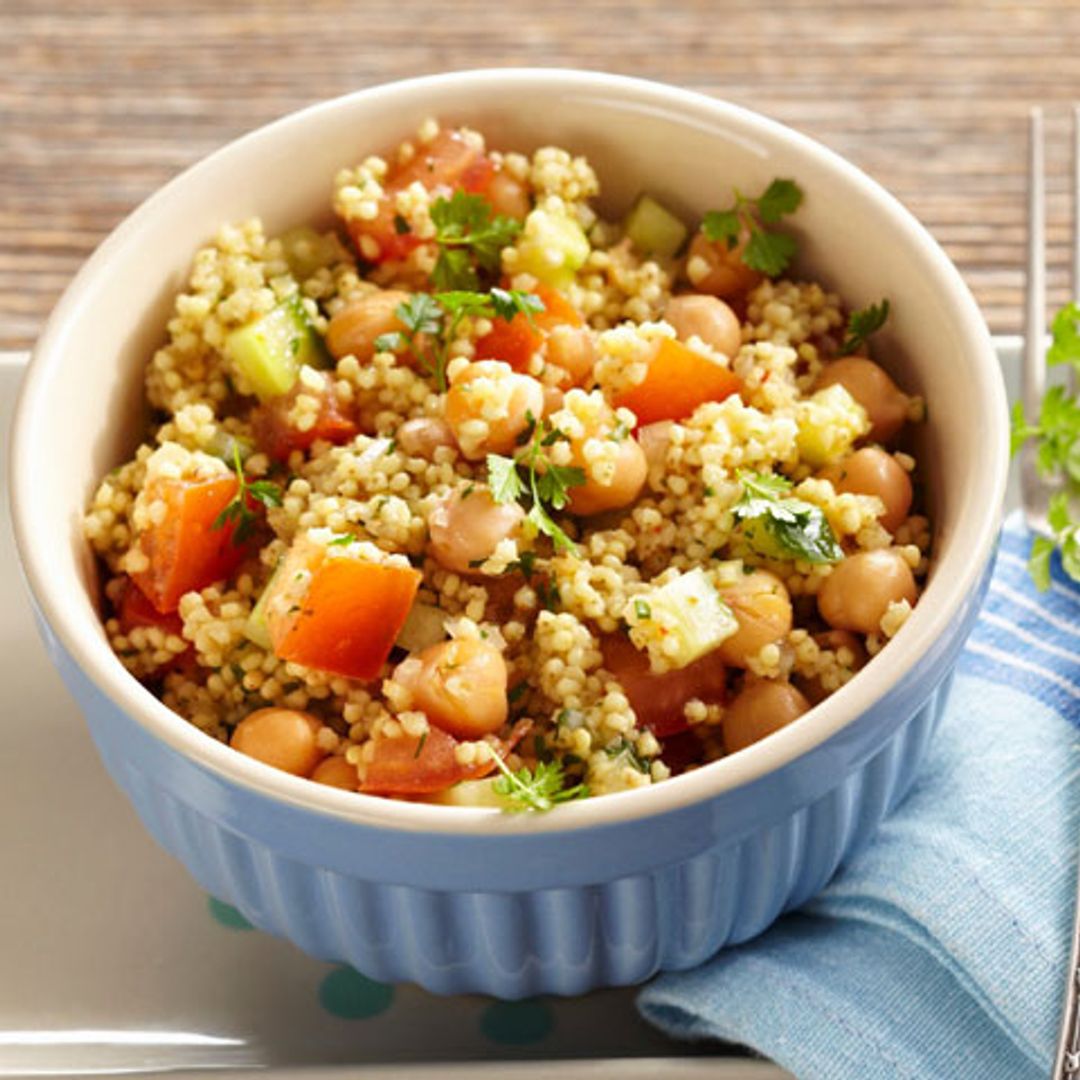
{"points": [[102, 101]]}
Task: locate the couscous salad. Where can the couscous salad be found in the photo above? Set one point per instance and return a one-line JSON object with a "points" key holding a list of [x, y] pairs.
{"points": [[482, 499]]}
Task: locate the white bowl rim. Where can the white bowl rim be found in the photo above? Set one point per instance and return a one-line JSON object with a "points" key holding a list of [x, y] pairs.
{"points": [[975, 534]]}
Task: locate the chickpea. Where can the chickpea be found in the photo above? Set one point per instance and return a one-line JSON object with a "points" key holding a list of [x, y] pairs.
{"points": [[353, 330], [759, 709], [336, 772], [466, 527], [725, 274], [460, 685], [509, 197], [859, 590], [760, 603], [705, 317], [489, 406], [871, 471], [885, 403], [284, 738], [571, 348], [553, 399], [631, 471], [422, 436], [655, 439]]}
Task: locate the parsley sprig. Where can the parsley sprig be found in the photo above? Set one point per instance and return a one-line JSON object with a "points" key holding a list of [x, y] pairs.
{"points": [[793, 528], [239, 509], [768, 252], [1057, 452], [861, 324], [470, 240], [536, 789], [1066, 538], [532, 475], [436, 319]]}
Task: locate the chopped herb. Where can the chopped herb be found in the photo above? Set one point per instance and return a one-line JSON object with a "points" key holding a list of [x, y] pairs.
{"points": [[794, 528], [436, 319], [533, 476], [401, 226], [536, 789], [239, 509], [341, 541], [709, 491], [470, 240], [642, 609], [238, 672], [547, 592], [625, 748], [768, 252], [861, 324], [622, 429], [517, 691], [525, 564], [420, 745]]}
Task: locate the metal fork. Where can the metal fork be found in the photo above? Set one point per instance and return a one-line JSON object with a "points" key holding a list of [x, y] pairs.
{"points": [[1035, 490]]}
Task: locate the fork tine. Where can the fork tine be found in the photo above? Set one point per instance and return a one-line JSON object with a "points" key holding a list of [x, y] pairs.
{"points": [[1035, 304]]}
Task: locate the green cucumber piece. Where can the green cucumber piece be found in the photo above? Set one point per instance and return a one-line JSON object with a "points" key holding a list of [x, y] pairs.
{"points": [[654, 229], [552, 247], [257, 629], [269, 352]]}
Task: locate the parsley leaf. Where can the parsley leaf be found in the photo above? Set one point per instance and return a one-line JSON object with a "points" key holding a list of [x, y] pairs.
{"points": [[780, 198], [768, 252], [437, 317], [533, 475], [863, 323], [1065, 337], [238, 511], [503, 479], [778, 525], [470, 240], [536, 789], [1042, 548]]}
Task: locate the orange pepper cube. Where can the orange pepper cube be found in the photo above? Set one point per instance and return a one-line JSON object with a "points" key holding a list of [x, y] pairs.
{"points": [[335, 612], [677, 382]]}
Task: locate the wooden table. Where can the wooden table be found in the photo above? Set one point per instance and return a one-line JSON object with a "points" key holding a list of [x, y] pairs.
{"points": [[100, 102]]}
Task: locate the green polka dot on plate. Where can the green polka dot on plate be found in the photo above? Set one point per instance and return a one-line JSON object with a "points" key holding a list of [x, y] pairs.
{"points": [[227, 915], [517, 1023], [352, 996]]}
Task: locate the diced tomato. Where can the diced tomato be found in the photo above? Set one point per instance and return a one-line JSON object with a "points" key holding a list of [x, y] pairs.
{"points": [[681, 751], [345, 615], [677, 382], [185, 551], [658, 700], [277, 437], [514, 342], [428, 764], [133, 609], [448, 161]]}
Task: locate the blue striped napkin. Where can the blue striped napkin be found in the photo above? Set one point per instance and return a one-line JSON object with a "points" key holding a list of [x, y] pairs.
{"points": [[940, 952]]}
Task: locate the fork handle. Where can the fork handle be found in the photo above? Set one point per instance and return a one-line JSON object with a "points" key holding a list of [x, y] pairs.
{"points": [[1067, 1059]]}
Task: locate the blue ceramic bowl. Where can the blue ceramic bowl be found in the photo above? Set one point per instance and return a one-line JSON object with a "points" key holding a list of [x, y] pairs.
{"points": [[610, 890]]}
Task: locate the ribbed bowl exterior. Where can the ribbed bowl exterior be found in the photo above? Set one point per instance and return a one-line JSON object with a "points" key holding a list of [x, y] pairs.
{"points": [[551, 913]]}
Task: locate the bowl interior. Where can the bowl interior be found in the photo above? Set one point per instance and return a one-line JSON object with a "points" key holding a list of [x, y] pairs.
{"points": [[80, 413]]}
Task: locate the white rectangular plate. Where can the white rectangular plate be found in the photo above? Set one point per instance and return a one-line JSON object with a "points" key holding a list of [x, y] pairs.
{"points": [[113, 961]]}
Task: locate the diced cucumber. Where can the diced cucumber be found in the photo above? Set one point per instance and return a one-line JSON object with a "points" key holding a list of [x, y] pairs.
{"points": [[228, 447], [681, 621], [257, 629], [553, 246], [426, 625], [472, 793], [653, 229], [269, 352], [307, 250]]}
